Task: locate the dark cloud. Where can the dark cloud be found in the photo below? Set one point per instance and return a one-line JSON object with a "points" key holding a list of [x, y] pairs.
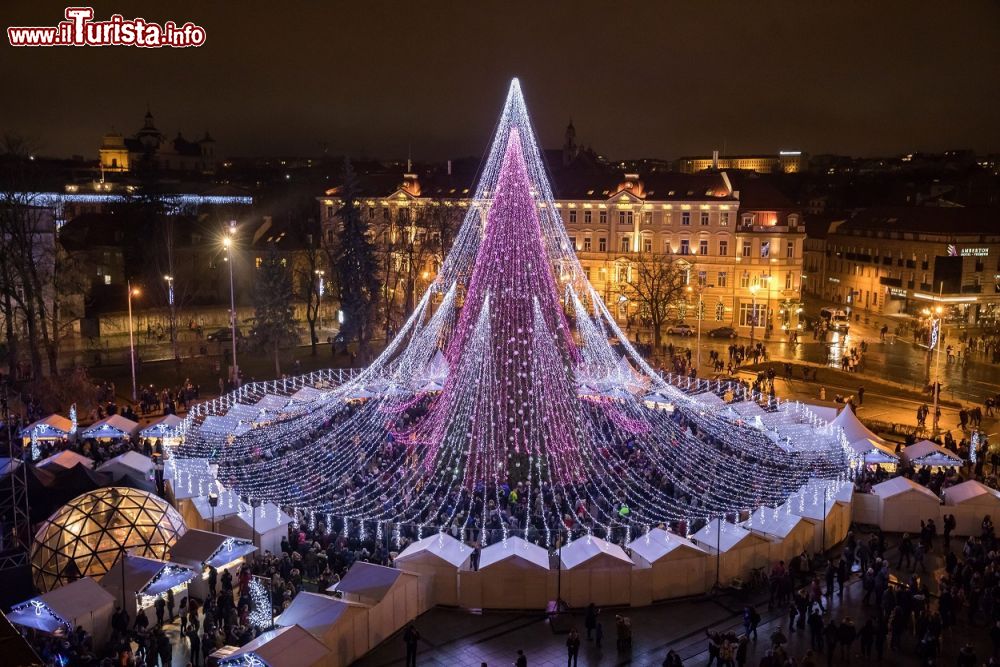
{"points": [[651, 79]]}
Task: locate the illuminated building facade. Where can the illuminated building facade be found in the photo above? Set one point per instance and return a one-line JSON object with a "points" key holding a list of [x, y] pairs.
{"points": [[738, 239], [150, 147], [785, 162], [903, 260]]}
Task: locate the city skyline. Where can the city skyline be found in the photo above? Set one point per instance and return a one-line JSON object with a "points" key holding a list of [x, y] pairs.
{"points": [[682, 81]]}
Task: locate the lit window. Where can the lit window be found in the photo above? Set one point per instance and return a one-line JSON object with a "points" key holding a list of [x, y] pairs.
{"points": [[723, 248], [722, 280], [686, 218], [685, 247]]}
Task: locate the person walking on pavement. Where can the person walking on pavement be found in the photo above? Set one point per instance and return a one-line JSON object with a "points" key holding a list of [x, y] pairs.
{"points": [[411, 638], [590, 620], [522, 660], [861, 396], [572, 648]]}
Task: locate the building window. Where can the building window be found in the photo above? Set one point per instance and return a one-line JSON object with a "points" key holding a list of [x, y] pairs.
{"points": [[586, 273], [624, 217], [625, 244], [748, 220], [587, 244], [647, 217], [572, 243], [788, 280], [603, 217], [745, 279], [685, 247], [724, 219], [588, 216], [751, 313], [371, 212], [765, 249], [666, 246], [686, 218], [722, 280], [720, 312], [790, 249], [623, 274], [703, 247], [572, 215], [668, 218], [747, 247], [704, 218], [723, 248], [702, 278], [647, 244], [385, 212], [602, 244], [329, 236], [329, 211]]}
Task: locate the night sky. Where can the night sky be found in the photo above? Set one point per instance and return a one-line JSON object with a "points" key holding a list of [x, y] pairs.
{"points": [[638, 79]]}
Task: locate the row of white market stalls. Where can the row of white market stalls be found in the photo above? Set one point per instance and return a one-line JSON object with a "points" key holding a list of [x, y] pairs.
{"points": [[899, 505], [358, 613], [515, 574]]}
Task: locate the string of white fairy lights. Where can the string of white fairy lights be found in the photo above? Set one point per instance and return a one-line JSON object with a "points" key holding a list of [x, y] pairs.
{"points": [[527, 405]]}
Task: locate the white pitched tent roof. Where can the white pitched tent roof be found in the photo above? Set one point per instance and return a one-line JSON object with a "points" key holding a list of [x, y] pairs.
{"points": [[514, 548], [140, 572], [229, 504], [658, 543], [272, 403], [68, 602], [813, 501], [306, 394], [721, 538], [56, 424], [854, 430], [315, 612], [777, 523], [67, 458], [930, 453], [368, 581], [165, 425], [111, 426], [197, 548], [440, 545], [709, 399], [899, 485], [269, 517], [290, 646], [130, 463], [969, 491], [584, 549]]}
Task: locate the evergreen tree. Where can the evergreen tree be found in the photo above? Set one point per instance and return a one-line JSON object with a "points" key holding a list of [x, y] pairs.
{"points": [[274, 318], [355, 265]]}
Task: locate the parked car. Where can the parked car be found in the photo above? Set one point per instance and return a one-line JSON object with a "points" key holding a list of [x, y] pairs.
{"points": [[722, 332], [223, 335], [680, 329]]}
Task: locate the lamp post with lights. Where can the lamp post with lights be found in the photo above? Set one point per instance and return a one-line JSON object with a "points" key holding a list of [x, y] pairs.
{"points": [[753, 310], [936, 335], [320, 288], [131, 334], [173, 316], [701, 316], [227, 242]]}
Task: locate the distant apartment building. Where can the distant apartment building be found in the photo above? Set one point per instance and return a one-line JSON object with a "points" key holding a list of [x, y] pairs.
{"points": [[786, 162], [739, 240], [906, 260]]}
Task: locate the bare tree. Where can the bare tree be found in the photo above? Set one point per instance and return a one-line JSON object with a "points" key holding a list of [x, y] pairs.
{"points": [[655, 281]]}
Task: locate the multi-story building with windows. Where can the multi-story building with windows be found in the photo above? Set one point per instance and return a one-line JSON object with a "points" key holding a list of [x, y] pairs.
{"points": [[904, 260], [785, 162], [738, 240]]}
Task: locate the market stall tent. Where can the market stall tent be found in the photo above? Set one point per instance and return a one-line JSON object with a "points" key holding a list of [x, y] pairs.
{"points": [[114, 427], [969, 502], [289, 646], [874, 452], [53, 427], [137, 468], [666, 565], [595, 570], [823, 507], [200, 550], [392, 597], [733, 552], [66, 459], [903, 504], [513, 574], [439, 558], [264, 526], [788, 533], [229, 503], [927, 453], [342, 626], [145, 579], [79, 603], [167, 427]]}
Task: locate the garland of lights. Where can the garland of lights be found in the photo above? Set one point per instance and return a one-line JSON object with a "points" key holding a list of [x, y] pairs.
{"points": [[260, 611], [489, 415]]}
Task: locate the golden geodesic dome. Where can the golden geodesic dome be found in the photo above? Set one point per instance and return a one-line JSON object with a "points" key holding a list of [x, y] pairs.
{"points": [[87, 535]]}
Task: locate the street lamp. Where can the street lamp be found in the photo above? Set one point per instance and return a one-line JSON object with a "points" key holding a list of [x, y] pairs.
{"points": [[131, 334], [173, 314], [321, 287], [213, 502], [936, 339], [701, 316], [753, 310], [228, 243]]}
